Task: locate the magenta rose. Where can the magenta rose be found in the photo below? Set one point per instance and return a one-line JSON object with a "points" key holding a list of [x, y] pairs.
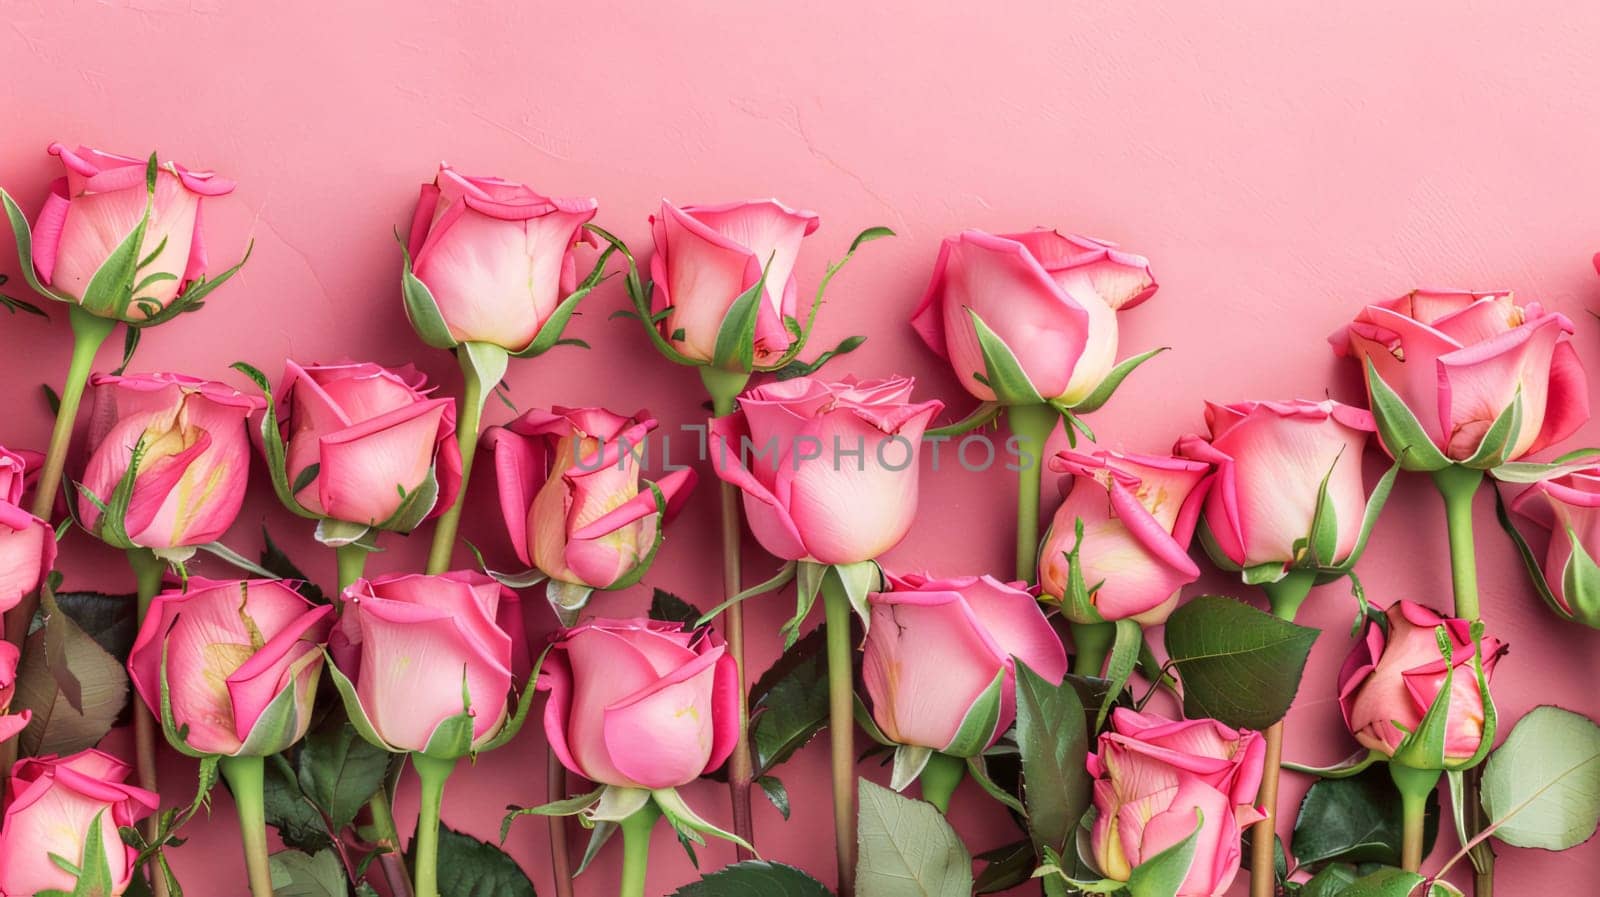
{"points": [[97, 205], [1052, 298], [10, 723], [706, 256], [1151, 776], [54, 802], [1390, 679], [828, 470], [366, 445], [959, 639], [1568, 506], [1459, 359], [243, 659], [415, 652], [494, 257], [640, 703], [1138, 514], [193, 459], [1271, 460], [570, 494], [27, 544]]}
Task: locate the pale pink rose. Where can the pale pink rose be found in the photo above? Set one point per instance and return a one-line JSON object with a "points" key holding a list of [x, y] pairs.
{"points": [[232, 650], [16, 473], [194, 461], [952, 638], [706, 256], [27, 544], [1052, 298], [54, 801], [570, 492], [422, 649], [374, 435], [1389, 681], [1138, 513], [10, 723], [1151, 776], [1458, 359], [640, 703], [1569, 507], [1271, 459], [98, 204], [828, 470], [496, 256]]}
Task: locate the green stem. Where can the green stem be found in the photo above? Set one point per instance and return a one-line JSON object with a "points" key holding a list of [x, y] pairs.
{"points": [[432, 773], [636, 849], [1091, 642], [940, 778], [841, 727], [246, 779], [1285, 596], [470, 411], [1458, 485], [1415, 786], [148, 571], [1032, 426], [352, 563]]}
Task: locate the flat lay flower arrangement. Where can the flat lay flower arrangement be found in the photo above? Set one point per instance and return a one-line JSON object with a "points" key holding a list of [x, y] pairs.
{"points": [[1132, 732]]}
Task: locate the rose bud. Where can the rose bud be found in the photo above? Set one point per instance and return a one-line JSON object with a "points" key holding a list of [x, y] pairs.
{"points": [[1390, 680], [1568, 506], [1458, 361], [97, 206], [10, 723], [960, 639], [828, 470], [640, 703], [55, 801], [1272, 459], [570, 494], [364, 444], [242, 660], [193, 459], [1156, 780], [1051, 298], [1138, 514], [417, 655], [493, 257], [27, 544], [707, 256]]}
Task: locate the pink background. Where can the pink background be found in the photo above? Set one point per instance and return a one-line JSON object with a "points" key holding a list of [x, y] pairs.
{"points": [[1280, 163]]}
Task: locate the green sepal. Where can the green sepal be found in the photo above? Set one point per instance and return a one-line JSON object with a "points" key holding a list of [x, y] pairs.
{"points": [[1108, 386], [689, 824], [1259, 574], [858, 580], [639, 294], [978, 769], [1500, 440], [194, 294], [422, 310], [1119, 667], [616, 804], [549, 335], [782, 578], [110, 290], [806, 368], [1423, 747], [1352, 765], [572, 806], [1208, 541], [353, 709], [177, 737], [1002, 373], [279, 725], [1369, 518], [415, 506], [24, 236], [1163, 874], [808, 583], [1533, 471], [802, 332], [519, 714], [111, 527], [1322, 542], [909, 762], [868, 724], [977, 727], [1579, 581], [567, 600], [982, 416], [735, 347], [642, 566], [272, 444], [94, 878], [1078, 604], [452, 738], [340, 533], [1399, 429]]}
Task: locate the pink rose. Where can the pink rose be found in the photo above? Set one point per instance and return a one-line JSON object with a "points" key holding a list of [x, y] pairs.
{"points": [[243, 659], [1052, 298], [54, 802], [194, 458], [10, 723], [1568, 506], [1138, 514], [92, 210], [27, 544], [1458, 360], [569, 492], [362, 440], [640, 703], [958, 639], [495, 257], [828, 470], [706, 256], [1391, 679], [1271, 459], [1151, 776], [421, 650]]}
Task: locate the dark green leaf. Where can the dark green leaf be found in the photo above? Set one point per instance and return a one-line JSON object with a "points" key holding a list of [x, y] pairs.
{"points": [[1355, 820], [280, 564], [305, 477], [789, 703], [670, 608], [772, 786], [297, 874], [1054, 740], [472, 868], [111, 620], [1385, 881], [339, 771], [755, 878], [1005, 867], [1238, 665], [299, 824]]}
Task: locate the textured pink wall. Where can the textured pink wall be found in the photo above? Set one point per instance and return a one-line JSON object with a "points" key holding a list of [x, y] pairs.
{"points": [[1280, 163]]}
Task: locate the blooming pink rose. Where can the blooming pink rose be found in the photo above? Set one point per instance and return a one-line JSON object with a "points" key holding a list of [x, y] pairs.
{"points": [[1458, 359], [640, 703], [1052, 298], [54, 802], [1271, 459], [495, 255], [1391, 679], [243, 659], [1568, 506], [954, 638], [1138, 514], [373, 435], [423, 649], [194, 460], [99, 203], [569, 492], [10, 723], [1152, 774], [706, 256], [828, 470], [27, 544]]}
